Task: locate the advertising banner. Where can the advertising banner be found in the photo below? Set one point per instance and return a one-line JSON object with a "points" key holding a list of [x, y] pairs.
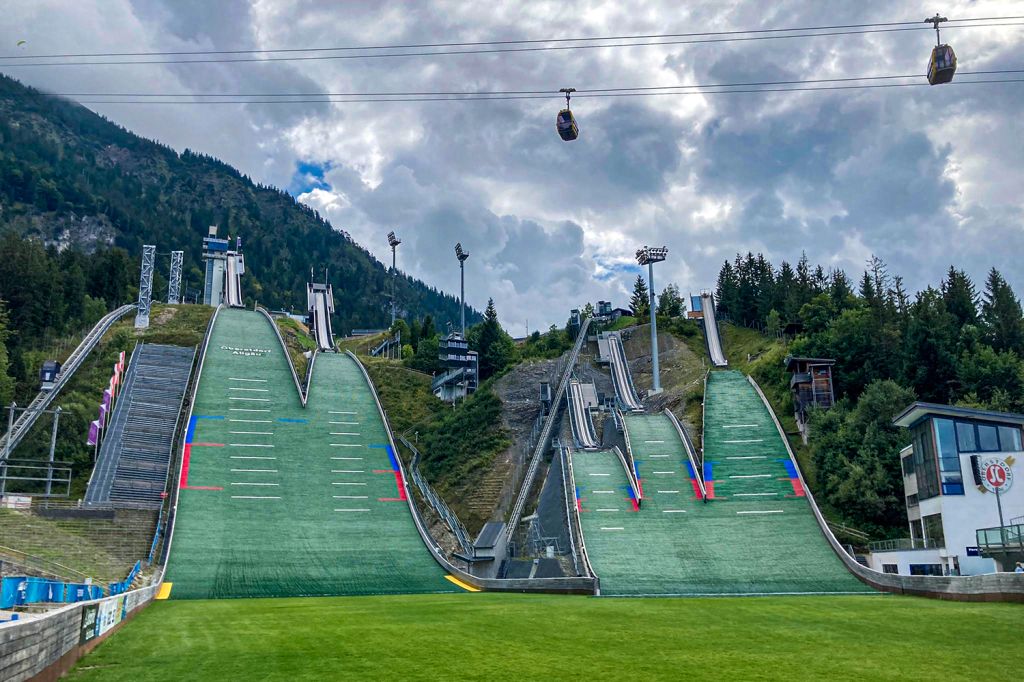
{"points": [[94, 433], [90, 613], [111, 611]]}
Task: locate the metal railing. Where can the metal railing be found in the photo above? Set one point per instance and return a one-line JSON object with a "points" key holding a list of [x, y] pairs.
{"points": [[1001, 538], [435, 500], [901, 544], [538, 452], [43, 399], [572, 514], [691, 454]]}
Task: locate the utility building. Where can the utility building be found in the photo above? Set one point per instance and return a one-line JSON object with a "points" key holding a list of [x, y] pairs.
{"points": [[461, 366], [811, 385], [965, 514]]}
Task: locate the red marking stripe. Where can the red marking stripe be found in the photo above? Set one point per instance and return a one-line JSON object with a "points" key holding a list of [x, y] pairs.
{"points": [[183, 483], [798, 488]]}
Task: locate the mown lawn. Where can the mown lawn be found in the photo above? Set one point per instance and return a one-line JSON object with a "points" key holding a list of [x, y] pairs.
{"points": [[496, 636]]}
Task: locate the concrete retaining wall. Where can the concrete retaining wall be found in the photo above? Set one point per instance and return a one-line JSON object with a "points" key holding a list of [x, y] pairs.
{"points": [[46, 647]]}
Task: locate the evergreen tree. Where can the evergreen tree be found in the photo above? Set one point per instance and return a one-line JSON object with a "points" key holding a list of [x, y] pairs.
{"points": [[670, 302], [588, 311], [427, 331], [6, 382], [495, 347], [1001, 315], [931, 348], [960, 297], [640, 303]]}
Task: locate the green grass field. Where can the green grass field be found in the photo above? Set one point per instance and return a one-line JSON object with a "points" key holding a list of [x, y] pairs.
{"points": [[495, 636]]}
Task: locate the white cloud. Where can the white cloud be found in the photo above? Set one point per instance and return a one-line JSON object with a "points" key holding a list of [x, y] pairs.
{"points": [[919, 176]]}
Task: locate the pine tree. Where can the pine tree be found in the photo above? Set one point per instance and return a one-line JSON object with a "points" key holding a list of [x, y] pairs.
{"points": [[1001, 315], [640, 303], [493, 344]]}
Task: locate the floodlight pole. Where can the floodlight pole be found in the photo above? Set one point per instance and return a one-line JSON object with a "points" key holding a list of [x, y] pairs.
{"points": [[649, 256], [394, 242], [462, 256]]}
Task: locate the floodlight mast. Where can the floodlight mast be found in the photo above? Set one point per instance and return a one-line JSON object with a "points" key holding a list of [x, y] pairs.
{"points": [[462, 256], [393, 241], [649, 255]]}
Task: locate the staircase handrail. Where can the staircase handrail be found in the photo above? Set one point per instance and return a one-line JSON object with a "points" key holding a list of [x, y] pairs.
{"points": [[435, 500], [43, 399], [549, 424]]}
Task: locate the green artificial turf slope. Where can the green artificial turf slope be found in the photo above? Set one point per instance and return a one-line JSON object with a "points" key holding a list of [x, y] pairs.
{"points": [[497, 637], [283, 500]]}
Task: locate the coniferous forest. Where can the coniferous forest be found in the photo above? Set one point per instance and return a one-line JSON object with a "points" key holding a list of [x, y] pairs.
{"points": [[960, 343], [79, 196]]}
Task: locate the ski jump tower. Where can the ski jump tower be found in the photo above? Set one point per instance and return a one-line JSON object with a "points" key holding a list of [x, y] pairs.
{"points": [[217, 288], [320, 300]]}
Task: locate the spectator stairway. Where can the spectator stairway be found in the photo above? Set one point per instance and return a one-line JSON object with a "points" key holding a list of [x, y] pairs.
{"points": [[132, 464]]}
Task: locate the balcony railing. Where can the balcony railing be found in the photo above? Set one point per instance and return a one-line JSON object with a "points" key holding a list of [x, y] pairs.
{"points": [[905, 544], [1001, 539]]}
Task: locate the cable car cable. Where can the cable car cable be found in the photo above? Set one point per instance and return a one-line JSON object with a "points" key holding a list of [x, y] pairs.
{"points": [[490, 42], [547, 48], [492, 94]]}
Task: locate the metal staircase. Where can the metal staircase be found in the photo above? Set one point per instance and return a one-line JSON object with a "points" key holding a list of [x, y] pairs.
{"points": [[136, 452]]}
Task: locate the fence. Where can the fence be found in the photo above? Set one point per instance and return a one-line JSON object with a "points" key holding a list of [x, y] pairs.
{"points": [[435, 500]]}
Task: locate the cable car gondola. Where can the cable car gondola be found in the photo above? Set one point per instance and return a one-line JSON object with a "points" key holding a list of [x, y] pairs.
{"points": [[565, 123], [942, 64]]}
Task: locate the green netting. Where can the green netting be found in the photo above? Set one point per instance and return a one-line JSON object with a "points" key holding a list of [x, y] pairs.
{"points": [[676, 544], [286, 501]]}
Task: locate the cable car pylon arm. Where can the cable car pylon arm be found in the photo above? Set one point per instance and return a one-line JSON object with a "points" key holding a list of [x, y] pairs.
{"points": [[568, 93], [935, 21]]}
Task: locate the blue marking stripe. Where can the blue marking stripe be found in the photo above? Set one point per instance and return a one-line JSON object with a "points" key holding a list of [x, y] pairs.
{"points": [[293, 421], [790, 469], [191, 431], [708, 476], [391, 455]]}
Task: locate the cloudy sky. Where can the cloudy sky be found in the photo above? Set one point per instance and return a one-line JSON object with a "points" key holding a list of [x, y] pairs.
{"points": [[923, 177]]}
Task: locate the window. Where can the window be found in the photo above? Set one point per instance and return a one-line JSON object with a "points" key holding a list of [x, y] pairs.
{"points": [[924, 461], [965, 437], [912, 500], [890, 568], [934, 537], [1009, 439], [988, 438], [925, 569], [908, 464], [949, 458]]}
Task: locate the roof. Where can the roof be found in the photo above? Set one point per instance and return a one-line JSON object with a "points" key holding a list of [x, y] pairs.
{"points": [[488, 534], [790, 359], [918, 411]]}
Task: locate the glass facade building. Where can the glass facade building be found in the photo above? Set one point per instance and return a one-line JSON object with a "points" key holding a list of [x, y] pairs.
{"points": [[939, 443]]}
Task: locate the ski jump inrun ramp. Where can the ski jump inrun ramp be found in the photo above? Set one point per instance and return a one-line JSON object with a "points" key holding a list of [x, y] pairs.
{"points": [[280, 499], [756, 534], [711, 332]]}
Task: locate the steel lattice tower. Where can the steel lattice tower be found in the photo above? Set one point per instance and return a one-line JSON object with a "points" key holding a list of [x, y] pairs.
{"points": [[174, 285], [145, 286]]}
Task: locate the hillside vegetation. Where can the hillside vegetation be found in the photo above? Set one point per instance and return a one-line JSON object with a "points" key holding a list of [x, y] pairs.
{"points": [[72, 178]]}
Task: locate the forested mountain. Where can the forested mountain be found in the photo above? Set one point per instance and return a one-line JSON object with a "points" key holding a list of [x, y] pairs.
{"points": [[951, 344], [74, 180]]}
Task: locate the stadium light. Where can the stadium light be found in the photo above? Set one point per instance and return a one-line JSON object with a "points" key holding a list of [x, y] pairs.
{"points": [[462, 256], [649, 255], [393, 241]]}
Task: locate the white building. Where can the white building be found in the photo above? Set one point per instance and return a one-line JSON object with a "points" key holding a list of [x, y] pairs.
{"points": [[958, 459]]}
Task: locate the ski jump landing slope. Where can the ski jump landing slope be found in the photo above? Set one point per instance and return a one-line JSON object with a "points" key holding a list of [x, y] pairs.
{"points": [[280, 500], [755, 535]]}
